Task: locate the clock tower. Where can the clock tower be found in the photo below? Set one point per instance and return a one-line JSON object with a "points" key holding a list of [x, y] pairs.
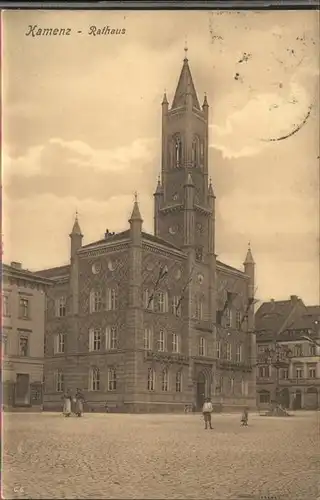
{"points": [[183, 201]]}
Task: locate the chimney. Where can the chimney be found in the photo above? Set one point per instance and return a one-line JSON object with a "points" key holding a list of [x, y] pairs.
{"points": [[16, 265], [293, 298]]}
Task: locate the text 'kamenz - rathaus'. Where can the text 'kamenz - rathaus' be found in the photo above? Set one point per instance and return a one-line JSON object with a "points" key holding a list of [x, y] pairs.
{"points": [[155, 322]]}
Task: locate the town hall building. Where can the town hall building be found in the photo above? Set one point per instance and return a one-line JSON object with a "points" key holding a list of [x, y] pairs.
{"points": [[154, 322]]}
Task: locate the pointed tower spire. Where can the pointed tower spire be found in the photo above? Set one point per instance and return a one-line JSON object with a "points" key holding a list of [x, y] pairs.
{"points": [[205, 101], [185, 86], [249, 257], [135, 216], [189, 181], [76, 227], [164, 100], [210, 190], [159, 189]]}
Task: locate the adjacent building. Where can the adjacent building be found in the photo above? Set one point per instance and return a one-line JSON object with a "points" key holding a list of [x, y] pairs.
{"points": [[154, 322], [23, 328], [291, 331]]}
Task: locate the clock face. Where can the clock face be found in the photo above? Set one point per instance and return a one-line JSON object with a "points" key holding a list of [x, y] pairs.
{"points": [[111, 265], [173, 229], [96, 267], [177, 274], [200, 278]]}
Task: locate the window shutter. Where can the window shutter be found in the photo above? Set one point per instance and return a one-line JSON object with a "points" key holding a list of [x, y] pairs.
{"points": [[91, 339], [92, 301], [108, 299], [56, 307], [166, 302], [56, 343], [108, 337], [173, 305]]}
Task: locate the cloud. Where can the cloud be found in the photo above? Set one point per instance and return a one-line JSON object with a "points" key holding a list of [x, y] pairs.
{"points": [[62, 167], [266, 116], [45, 231]]}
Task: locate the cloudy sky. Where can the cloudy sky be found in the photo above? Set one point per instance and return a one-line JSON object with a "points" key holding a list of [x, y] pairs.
{"points": [[82, 124]]}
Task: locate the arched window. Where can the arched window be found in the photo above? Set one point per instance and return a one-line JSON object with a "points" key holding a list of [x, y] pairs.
{"points": [[195, 151], [165, 380], [94, 382], [177, 151], [151, 381], [201, 152]]}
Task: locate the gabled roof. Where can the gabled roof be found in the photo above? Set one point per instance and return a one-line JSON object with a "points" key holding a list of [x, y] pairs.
{"points": [[229, 268], [54, 272], [111, 237], [185, 86], [271, 316], [160, 241], [126, 235], [24, 274]]}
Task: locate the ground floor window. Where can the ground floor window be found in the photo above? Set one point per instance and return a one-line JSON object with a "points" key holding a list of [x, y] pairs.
{"points": [[264, 397], [112, 379], [94, 379], [165, 380], [151, 379], [59, 381], [178, 381]]}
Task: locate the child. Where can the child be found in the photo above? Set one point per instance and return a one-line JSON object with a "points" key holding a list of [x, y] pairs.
{"points": [[244, 417], [206, 411]]}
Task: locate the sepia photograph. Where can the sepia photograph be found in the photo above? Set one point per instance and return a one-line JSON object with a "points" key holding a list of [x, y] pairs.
{"points": [[160, 331]]}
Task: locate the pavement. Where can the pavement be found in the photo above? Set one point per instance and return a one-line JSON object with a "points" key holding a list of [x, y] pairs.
{"points": [[122, 456]]}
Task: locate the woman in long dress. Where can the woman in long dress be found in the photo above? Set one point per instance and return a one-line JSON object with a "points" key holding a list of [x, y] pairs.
{"points": [[66, 405], [79, 403]]}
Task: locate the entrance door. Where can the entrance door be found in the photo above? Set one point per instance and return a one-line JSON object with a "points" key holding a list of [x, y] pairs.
{"points": [[285, 398], [311, 399], [201, 390], [22, 394], [297, 401]]}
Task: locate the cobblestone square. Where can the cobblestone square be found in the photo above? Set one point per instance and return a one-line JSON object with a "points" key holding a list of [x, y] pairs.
{"points": [[160, 456]]}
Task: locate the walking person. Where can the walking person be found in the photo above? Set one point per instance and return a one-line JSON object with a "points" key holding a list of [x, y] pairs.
{"points": [[67, 404], [245, 417], [206, 411], [79, 400]]}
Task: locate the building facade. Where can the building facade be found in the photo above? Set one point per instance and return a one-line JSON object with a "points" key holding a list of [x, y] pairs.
{"points": [[294, 329], [23, 325], [155, 322]]}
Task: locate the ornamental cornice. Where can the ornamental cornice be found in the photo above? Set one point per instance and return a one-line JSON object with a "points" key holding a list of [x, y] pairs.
{"points": [[105, 250], [166, 358], [166, 252], [172, 208], [202, 210]]}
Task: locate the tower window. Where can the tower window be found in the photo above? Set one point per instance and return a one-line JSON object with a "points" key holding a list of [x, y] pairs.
{"points": [[177, 150], [195, 151]]}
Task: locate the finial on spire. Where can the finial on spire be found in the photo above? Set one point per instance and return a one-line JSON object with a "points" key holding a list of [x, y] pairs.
{"points": [[135, 216], [165, 100], [249, 258], [186, 49], [76, 228]]}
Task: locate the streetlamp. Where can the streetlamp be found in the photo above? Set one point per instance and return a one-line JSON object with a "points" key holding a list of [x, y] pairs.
{"points": [[278, 356]]}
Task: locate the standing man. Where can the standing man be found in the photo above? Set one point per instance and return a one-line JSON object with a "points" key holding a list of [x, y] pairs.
{"points": [[207, 410]]}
